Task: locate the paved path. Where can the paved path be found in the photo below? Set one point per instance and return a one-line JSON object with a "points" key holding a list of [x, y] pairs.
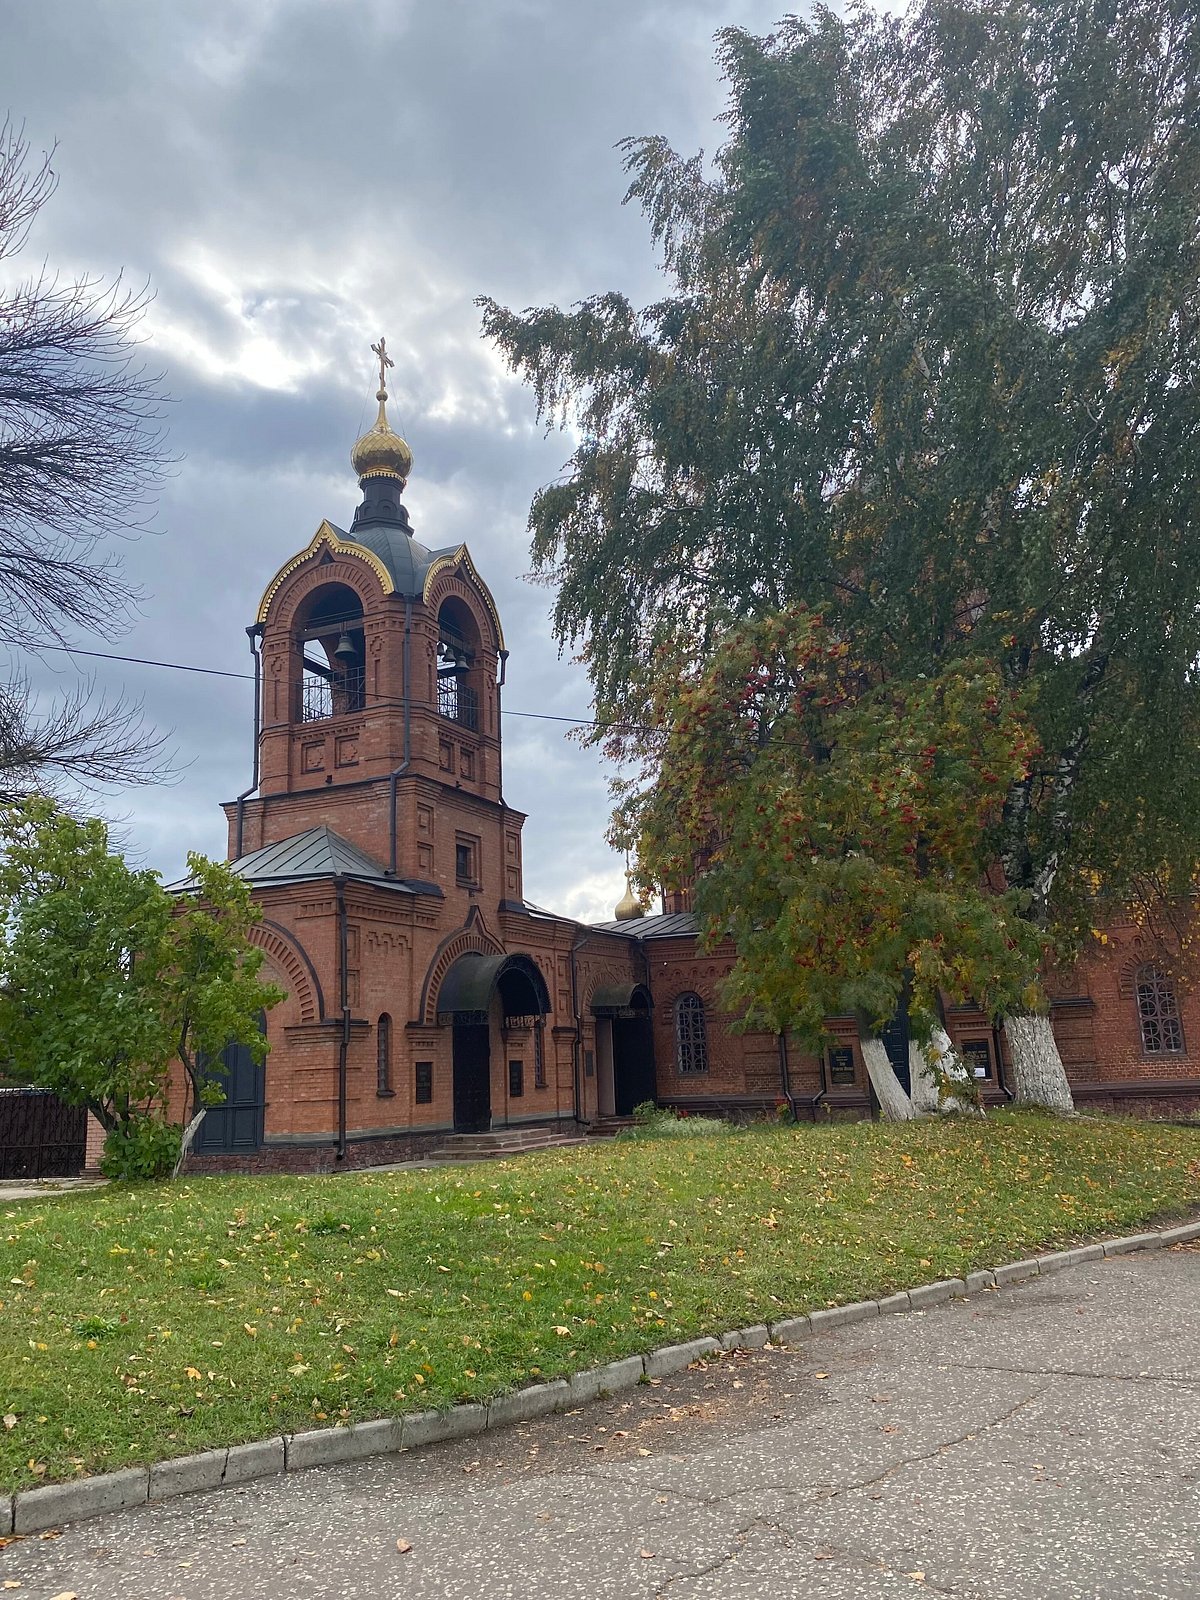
{"points": [[44, 1188], [1040, 1441]]}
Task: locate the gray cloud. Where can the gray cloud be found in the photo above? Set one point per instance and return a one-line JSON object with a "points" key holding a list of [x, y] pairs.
{"points": [[293, 177]]}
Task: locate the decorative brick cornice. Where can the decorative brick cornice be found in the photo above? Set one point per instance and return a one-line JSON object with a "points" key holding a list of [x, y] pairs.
{"points": [[325, 538], [458, 563]]}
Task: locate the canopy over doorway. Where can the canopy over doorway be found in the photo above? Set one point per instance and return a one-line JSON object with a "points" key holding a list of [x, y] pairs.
{"points": [[477, 991], [625, 1075]]}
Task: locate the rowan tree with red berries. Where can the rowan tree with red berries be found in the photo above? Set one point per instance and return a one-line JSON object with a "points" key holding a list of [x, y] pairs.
{"points": [[843, 826]]}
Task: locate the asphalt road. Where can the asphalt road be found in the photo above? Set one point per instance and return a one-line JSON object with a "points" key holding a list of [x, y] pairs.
{"points": [[1040, 1441]]}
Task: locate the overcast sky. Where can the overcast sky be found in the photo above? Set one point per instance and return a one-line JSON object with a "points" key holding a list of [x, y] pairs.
{"points": [[295, 177]]}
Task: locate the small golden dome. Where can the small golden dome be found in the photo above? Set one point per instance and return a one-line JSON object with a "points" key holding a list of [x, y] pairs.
{"points": [[630, 906], [381, 451]]}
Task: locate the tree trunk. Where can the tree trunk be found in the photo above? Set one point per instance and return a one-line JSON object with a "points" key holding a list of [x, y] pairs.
{"points": [[924, 1086], [928, 1095], [189, 1134], [893, 1102], [1039, 1078], [952, 1065]]}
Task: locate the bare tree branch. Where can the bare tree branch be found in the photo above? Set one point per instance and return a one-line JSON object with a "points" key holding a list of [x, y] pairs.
{"points": [[83, 740], [82, 455]]}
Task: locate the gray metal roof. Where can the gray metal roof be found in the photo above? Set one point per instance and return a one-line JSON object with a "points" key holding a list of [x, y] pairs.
{"points": [[675, 925], [318, 853], [405, 559]]}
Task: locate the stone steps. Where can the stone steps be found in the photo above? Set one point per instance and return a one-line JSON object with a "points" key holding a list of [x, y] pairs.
{"points": [[500, 1143], [608, 1127]]}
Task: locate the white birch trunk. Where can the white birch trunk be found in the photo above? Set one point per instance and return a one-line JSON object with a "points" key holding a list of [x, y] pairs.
{"points": [[1039, 1078], [189, 1134], [893, 1102], [953, 1066], [927, 1094], [924, 1087]]}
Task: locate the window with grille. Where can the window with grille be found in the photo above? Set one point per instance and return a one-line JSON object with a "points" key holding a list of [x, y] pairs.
{"points": [[691, 1041], [383, 1058], [1158, 1011], [539, 1058]]}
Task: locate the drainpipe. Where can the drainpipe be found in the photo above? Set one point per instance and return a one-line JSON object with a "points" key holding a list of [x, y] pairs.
{"points": [[254, 633], [405, 764], [577, 1049], [822, 1091], [786, 1076], [339, 885], [499, 729]]}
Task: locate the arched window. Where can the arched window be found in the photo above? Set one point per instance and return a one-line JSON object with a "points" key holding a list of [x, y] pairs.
{"points": [[383, 1058], [691, 1040], [1158, 1010]]}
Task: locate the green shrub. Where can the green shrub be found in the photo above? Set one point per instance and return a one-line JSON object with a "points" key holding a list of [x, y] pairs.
{"points": [[143, 1147], [660, 1122]]}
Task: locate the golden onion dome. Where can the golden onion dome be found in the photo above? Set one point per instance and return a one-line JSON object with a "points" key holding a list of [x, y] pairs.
{"points": [[381, 451], [630, 906]]}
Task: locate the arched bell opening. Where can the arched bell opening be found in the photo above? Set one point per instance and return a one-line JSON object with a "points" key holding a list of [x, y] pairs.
{"points": [[331, 646], [625, 1075], [459, 671]]}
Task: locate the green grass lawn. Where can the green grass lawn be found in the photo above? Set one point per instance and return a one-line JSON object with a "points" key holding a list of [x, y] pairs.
{"points": [[141, 1323]]}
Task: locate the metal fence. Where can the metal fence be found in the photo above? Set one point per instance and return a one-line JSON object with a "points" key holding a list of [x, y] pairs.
{"points": [[39, 1136], [335, 696]]}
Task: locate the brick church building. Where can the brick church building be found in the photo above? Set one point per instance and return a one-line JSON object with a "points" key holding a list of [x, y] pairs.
{"points": [[426, 998]]}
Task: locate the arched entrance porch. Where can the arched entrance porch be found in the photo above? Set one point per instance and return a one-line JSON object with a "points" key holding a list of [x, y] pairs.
{"points": [[482, 999], [624, 1048]]}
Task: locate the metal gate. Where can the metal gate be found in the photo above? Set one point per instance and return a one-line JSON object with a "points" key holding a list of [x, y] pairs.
{"points": [[40, 1137]]}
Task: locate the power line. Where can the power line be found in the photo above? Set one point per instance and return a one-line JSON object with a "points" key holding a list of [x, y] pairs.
{"points": [[143, 661], [248, 677]]}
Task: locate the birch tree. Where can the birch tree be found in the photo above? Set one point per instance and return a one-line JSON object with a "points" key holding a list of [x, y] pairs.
{"points": [[928, 358]]}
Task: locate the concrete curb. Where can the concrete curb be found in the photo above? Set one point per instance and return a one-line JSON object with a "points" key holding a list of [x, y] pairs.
{"points": [[32, 1510]]}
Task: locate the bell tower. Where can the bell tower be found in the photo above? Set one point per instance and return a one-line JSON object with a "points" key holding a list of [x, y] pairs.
{"points": [[381, 663]]}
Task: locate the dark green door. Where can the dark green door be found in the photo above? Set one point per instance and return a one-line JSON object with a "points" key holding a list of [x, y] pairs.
{"points": [[895, 1042], [633, 1063], [236, 1125], [472, 1078]]}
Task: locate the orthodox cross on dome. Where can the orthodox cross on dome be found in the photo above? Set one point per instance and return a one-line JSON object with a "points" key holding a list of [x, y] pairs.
{"points": [[385, 361]]}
